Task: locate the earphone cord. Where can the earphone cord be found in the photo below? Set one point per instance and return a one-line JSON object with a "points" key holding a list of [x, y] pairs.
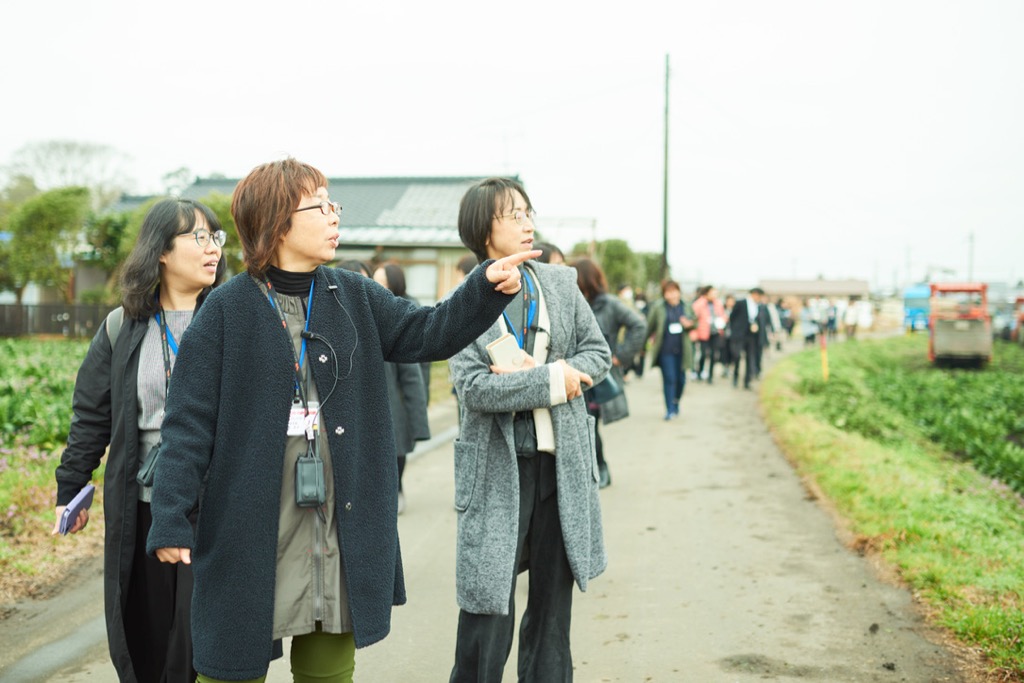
{"points": [[355, 335], [334, 356]]}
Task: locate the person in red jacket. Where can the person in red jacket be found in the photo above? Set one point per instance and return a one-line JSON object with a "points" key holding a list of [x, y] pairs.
{"points": [[710, 325]]}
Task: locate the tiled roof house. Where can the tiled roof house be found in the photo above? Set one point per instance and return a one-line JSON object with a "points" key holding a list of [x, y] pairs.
{"points": [[409, 219]]}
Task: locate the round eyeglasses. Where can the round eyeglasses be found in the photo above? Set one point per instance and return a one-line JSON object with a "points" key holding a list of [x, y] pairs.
{"points": [[204, 237], [519, 216], [325, 207]]}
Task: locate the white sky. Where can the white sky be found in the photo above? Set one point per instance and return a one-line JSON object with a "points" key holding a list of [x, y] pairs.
{"points": [[812, 138]]}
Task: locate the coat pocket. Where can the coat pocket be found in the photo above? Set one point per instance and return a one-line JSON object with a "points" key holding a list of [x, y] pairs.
{"points": [[465, 474], [592, 441]]}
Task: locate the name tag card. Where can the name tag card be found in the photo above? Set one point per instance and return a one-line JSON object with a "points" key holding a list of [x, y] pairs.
{"points": [[299, 421]]}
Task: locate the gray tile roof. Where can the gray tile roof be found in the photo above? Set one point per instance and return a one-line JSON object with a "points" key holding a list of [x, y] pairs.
{"points": [[818, 287], [398, 211], [130, 202]]}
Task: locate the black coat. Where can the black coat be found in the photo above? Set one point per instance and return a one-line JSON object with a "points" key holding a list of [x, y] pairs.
{"points": [[105, 405], [225, 431], [740, 326], [613, 315], [408, 399]]}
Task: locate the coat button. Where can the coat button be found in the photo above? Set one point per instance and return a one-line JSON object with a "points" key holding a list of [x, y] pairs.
{"points": [[339, 430], [348, 506], [323, 358]]}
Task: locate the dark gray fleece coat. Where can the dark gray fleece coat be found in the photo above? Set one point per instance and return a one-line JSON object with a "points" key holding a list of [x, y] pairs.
{"points": [[225, 429]]}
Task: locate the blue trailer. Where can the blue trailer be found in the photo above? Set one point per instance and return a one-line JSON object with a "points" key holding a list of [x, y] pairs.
{"points": [[916, 307]]}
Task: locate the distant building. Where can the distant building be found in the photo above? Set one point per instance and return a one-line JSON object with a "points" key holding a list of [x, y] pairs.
{"points": [[821, 288], [411, 220], [130, 202]]}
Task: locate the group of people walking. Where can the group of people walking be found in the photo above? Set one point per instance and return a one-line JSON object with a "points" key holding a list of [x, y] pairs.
{"points": [[256, 431], [687, 339], [264, 407]]}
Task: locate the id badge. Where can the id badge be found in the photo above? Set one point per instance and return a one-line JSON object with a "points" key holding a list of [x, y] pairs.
{"points": [[299, 420], [675, 328]]}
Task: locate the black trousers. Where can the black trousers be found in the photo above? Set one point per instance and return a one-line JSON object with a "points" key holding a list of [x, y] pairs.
{"points": [[484, 641], [157, 614], [707, 354], [749, 350]]}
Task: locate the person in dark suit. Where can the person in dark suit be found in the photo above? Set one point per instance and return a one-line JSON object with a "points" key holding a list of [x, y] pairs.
{"points": [[765, 328], [745, 325]]}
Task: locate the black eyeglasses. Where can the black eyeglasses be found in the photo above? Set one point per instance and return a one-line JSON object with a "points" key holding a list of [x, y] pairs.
{"points": [[204, 236], [325, 207]]}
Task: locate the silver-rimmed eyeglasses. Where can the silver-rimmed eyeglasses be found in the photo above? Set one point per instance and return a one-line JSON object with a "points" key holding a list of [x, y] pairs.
{"points": [[204, 237], [325, 207], [519, 216]]}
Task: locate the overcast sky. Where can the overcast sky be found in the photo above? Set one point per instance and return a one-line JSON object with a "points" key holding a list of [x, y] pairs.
{"points": [[855, 139]]}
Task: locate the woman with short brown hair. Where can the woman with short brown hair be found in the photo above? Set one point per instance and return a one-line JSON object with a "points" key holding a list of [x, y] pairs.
{"points": [[282, 436]]}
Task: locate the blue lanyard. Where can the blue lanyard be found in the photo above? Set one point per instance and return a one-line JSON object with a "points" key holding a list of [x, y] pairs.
{"points": [[168, 335], [530, 305], [167, 343], [284, 324]]}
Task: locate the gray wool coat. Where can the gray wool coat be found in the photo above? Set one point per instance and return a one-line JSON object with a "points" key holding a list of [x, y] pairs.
{"points": [[486, 473]]}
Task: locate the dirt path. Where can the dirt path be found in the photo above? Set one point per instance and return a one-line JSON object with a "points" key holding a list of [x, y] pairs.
{"points": [[722, 568]]}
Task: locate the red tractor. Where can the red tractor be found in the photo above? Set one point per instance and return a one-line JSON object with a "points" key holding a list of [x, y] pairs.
{"points": [[960, 327]]}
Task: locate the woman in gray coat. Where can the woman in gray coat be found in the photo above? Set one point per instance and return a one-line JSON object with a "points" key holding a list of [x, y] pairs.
{"points": [[525, 464]]}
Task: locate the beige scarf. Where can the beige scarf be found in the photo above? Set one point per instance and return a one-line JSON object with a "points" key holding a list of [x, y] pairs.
{"points": [[542, 341]]}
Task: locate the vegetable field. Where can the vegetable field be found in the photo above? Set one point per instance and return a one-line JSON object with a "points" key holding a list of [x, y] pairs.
{"points": [[36, 381]]}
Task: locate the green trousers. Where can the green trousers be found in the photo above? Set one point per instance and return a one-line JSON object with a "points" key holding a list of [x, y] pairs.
{"points": [[316, 658]]}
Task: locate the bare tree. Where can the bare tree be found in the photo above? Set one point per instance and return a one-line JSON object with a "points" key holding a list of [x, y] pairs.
{"points": [[67, 163], [176, 181]]}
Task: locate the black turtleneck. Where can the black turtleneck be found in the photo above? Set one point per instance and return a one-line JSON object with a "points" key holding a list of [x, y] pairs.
{"points": [[290, 283]]}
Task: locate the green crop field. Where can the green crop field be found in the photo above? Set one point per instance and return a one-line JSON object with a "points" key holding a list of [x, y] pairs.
{"points": [[36, 381]]}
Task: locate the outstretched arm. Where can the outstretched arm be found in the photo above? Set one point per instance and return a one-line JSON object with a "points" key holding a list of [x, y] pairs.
{"points": [[505, 273]]}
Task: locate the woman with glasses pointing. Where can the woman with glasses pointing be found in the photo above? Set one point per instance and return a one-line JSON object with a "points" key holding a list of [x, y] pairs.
{"points": [[119, 402], [283, 437]]}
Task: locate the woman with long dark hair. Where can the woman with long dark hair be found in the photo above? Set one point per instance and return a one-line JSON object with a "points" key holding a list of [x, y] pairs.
{"points": [[614, 317], [119, 402]]}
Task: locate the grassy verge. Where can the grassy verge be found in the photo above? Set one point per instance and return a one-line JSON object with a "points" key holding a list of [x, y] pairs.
{"points": [[907, 488]]}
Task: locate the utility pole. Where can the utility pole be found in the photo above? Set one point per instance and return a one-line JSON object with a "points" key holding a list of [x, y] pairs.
{"points": [[664, 189], [970, 257]]}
